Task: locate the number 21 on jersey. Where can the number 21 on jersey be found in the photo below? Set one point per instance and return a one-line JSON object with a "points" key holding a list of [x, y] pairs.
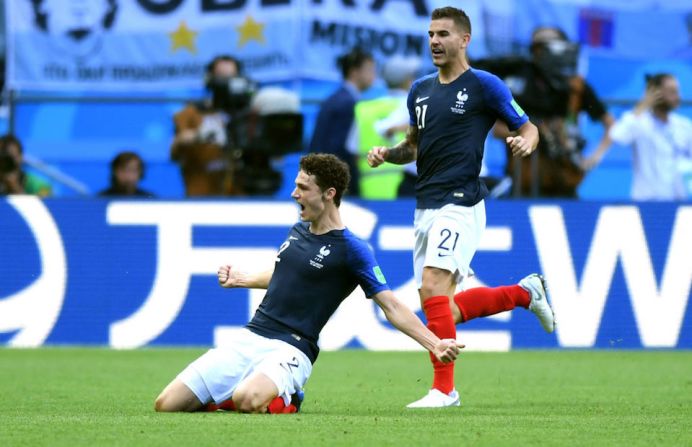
{"points": [[420, 115]]}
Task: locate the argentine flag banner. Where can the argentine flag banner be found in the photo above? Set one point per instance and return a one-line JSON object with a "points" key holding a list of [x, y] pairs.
{"points": [[159, 45], [164, 44], [144, 44]]}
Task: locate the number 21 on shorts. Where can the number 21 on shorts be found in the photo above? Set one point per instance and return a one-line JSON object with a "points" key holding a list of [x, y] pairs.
{"points": [[448, 243]]}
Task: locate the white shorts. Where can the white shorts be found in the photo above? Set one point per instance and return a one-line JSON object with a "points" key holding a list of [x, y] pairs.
{"points": [[447, 238], [219, 371]]}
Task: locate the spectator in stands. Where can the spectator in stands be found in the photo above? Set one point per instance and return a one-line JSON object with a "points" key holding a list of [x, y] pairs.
{"points": [[549, 89], [127, 170], [201, 141], [383, 121], [336, 117], [14, 179], [661, 141]]}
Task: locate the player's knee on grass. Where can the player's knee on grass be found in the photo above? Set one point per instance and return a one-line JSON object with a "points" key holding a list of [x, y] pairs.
{"points": [[176, 397], [251, 400], [167, 402], [163, 403]]}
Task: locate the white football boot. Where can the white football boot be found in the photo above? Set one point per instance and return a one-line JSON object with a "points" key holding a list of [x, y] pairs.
{"points": [[436, 399], [538, 289]]}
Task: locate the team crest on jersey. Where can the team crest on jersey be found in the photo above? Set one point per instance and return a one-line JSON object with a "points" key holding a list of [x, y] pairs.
{"points": [[319, 257], [458, 107]]}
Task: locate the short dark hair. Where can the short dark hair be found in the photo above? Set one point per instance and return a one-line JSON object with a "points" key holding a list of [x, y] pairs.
{"points": [[656, 79], [460, 18], [329, 172], [352, 60], [123, 158]]}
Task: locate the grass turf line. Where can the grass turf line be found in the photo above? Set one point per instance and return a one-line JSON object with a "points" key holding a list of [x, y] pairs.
{"points": [[73, 396]]}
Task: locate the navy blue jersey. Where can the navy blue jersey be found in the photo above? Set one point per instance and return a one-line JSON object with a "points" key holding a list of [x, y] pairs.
{"points": [[313, 274], [453, 121]]}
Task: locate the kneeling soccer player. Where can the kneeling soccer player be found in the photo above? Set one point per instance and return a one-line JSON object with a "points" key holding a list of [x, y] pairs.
{"points": [[267, 364]]}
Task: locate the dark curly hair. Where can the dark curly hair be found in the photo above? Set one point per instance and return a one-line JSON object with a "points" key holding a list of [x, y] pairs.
{"points": [[329, 172], [460, 18]]}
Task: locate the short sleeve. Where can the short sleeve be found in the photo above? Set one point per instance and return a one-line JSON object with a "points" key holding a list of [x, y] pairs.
{"points": [[499, 99], [411, 107], [365, 268]]}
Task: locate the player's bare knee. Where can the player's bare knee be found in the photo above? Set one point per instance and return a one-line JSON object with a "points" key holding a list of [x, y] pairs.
{"points": [[436, 283], [241, 400], [160, 403], [427, 290], [249, 401], [166, 403], [430, 289]]}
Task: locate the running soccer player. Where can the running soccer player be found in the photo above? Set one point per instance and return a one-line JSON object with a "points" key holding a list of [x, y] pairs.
{"points": [[451, 112], [267, 364]]}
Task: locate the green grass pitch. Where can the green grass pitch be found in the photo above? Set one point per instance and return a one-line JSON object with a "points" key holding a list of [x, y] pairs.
{"points": [[101, 397]]}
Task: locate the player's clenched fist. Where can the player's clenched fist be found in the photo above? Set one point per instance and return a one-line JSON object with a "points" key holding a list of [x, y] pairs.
{"points": [[520, 146], [448, 349], [225, 277], [377, 156]]}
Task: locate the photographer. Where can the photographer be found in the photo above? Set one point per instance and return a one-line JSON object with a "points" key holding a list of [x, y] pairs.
{"points": [[201, 136], [229, 144], [549, 89], [269, 128], [13, 178]]}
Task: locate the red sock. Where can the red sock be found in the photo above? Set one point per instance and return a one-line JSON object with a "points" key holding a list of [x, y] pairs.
{"points": [[484, 301], [441, 323], [227, 405], [277, 406]]}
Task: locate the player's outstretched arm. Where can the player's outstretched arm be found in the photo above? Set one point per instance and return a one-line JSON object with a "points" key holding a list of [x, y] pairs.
{"points": [[229, 277], [402, 153], [407, 322]]}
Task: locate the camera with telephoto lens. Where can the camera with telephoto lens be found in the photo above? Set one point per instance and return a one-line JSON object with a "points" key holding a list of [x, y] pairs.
{"points": [[263, 124], [232, 94], [557, 59]]}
